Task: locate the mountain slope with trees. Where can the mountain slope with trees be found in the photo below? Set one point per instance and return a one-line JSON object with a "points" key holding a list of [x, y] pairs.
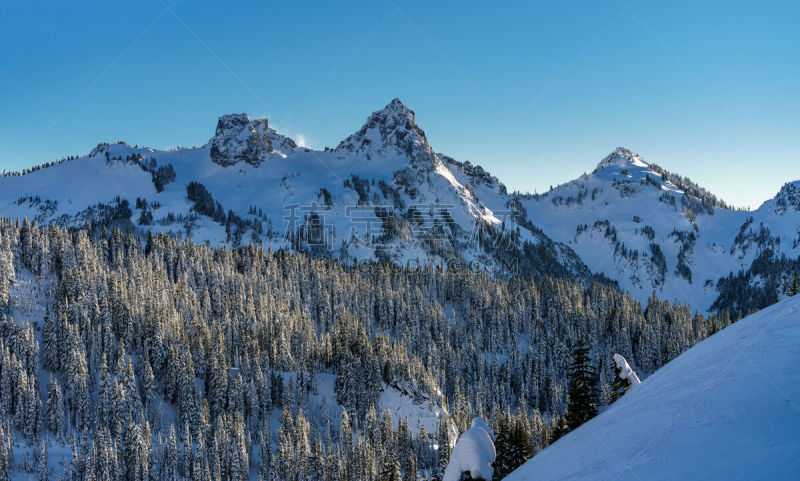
{"points": [[158, 355], [725, 409]]}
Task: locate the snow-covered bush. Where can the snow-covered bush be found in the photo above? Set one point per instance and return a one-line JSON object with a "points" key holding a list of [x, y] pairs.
{"points": [[473, 454]]}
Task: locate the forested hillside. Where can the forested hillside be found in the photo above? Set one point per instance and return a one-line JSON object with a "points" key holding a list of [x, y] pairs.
{"points": [[156, 358], [725, 409]]}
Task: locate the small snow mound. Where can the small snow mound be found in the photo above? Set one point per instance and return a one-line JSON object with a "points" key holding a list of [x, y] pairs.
{"points": [[473, 453], [626, 371]]}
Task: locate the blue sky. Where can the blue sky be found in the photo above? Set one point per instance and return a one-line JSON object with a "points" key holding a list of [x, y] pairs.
{"points": [[536, 92]]}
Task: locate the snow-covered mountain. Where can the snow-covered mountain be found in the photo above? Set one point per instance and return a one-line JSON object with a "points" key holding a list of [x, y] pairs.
{"points": [[384, 192], [381, 193], [728, 408], [652, 230]]}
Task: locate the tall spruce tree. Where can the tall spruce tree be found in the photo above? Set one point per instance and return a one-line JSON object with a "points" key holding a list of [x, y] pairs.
{"points": [[42, 471], [54, 411], [583, 397], [391, 469]]}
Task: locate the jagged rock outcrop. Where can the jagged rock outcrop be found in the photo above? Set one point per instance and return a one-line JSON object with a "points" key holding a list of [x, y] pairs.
{"points": [[279, 142], [475, 173], [237, 139], [392, 127]]}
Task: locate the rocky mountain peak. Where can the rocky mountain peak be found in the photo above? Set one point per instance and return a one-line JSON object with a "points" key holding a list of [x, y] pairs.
{"points": [[238, 138], [623, 158], [392, 127]]}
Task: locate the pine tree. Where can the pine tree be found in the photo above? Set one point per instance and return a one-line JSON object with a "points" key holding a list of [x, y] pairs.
{"points": [[411, 468], [33, 404], [316, 462], [345, 435], [582, 395], [75, 468], [513, 446], [795, 286], [169, 464], [105, 405], [200, 470], [154, 468], [502, 462], [265, 451], [391, 469], [42, 471], [50, 339], [6, 455], [131, 390], [286, 446], [149, 387], [301, 443], [54, 410], [239, 449], [560, 428], [443, 437], [188, 459], [217, 385], [81, 410]]}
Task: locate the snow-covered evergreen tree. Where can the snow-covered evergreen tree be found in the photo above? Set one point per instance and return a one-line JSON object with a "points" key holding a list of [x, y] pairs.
{"points": [[583, 394]]}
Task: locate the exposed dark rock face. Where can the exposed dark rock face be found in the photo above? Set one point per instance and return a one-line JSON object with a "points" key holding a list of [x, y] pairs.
{"points": [[239, 139]]}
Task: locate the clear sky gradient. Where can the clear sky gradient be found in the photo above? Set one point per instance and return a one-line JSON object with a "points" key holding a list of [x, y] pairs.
{"points": [[536, 92]]}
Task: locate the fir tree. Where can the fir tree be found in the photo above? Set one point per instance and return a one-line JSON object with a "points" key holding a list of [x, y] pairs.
{"points": [[582, 395], [169, 464], [391, 469], [6, 454], [316, 462], [54, 410], [443, 437], [513, 447], [411, 473]]}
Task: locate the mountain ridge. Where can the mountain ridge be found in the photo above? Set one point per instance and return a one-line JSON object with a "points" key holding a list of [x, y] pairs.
{"points": [[385, 193]]}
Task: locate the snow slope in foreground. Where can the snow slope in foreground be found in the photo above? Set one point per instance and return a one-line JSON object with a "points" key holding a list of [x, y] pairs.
{"points": [[729, 408]]}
